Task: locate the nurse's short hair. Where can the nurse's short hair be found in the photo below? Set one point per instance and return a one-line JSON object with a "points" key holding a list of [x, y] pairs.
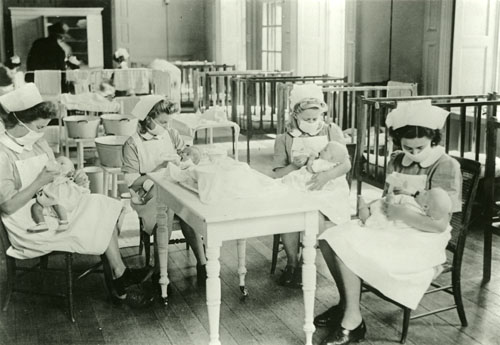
{"points": [[44, 110], [162, 107], [412, 132]]}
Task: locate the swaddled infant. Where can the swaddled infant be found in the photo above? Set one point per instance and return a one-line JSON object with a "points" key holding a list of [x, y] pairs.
{"points": [[332, 155], [189, 156], [62, 195], [434, 203]]}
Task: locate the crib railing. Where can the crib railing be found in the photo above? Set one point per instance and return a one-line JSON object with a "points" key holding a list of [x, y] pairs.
{"points": [[340, 99], [254, 105], [188, 78], [214, 87]]}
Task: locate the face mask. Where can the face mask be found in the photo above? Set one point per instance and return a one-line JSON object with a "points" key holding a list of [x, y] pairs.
{"points": [[311, 128], [158, 130], [421, 156], [29, 138]]}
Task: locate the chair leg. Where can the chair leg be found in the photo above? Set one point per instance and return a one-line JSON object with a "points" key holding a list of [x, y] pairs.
{"points": [[146, 242], [276, 244], [140, 236], [457, 294], [11, 281], [108, 276], [69, 285], [406, 324]]}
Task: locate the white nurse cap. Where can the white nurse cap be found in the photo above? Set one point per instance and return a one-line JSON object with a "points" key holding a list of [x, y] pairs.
{"points": [[145, 104], [304, 91], [22, 98], [417, 113]]}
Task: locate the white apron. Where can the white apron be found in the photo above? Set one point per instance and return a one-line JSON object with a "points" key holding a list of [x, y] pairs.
{"points": [[399, 261], [151, 153], [304, 146], [91, 223]]}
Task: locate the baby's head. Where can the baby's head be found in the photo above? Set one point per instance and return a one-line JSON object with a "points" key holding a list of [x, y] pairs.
{"points": [[334, 152], [66, 166], [435, 202], [191, 152]]}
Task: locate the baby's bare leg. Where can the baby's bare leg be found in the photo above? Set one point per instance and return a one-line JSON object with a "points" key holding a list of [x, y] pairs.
{"points": [[37, 213], [61, 212]]}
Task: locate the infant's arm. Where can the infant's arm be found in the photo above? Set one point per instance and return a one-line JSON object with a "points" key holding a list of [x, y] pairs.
{"points": [[309, 163]]}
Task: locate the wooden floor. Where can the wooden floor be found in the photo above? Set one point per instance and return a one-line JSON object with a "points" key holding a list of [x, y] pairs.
{"points": [[271, 315]]}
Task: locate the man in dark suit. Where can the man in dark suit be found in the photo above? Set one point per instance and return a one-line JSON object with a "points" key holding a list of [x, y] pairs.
{"points": [[46, 53]]}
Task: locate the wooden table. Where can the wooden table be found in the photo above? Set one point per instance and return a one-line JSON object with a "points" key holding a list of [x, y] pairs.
{"points": [[237, 219]]}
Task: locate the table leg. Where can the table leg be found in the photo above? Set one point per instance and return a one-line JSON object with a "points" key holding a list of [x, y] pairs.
{"points": [[105, 182], [211, 134], [235, 141], [242, 270], [213, 292], [162, 219], [114, 185], [309, 273], [79, 152]]}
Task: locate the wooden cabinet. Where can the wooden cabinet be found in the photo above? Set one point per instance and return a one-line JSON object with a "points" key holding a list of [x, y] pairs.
{"points": [[86, 42]]}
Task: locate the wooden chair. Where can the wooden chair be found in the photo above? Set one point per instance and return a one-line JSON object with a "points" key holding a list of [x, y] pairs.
{"points": [[42, 268], [145, 240], [460, 224], [351, 149]]}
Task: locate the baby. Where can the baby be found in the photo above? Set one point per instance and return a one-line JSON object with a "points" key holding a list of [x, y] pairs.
{"points": [[434, 203], [190, 155], [332, 155], [333, 195], [62, 195]]}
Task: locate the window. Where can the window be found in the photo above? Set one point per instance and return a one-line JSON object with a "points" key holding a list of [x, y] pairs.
{"points": [[271, 35]]}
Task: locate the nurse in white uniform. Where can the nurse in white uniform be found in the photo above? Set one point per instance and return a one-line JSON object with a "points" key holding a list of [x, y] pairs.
{"points": [[307, 133], [151, 148], [399, 261], [23, 156]]}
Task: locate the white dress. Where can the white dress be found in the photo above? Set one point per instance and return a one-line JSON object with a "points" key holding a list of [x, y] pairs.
{"points": [[398, 260], [91, 222], [333, 197]]}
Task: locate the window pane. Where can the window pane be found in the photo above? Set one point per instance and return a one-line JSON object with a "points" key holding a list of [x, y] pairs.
{"points": [[264, 61], [264, 13], [278, 39], [264, 38], [271, 38], [278, 62], [278, 14]]}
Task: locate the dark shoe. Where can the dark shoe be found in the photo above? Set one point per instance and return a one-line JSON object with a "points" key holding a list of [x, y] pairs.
{"points": [[344, 336], [297, 278], [201, 275], [131, 276], [286, 278], [330, 318]]}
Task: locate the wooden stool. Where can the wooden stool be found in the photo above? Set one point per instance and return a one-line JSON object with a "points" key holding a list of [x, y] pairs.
{"points": [[114, 172]]}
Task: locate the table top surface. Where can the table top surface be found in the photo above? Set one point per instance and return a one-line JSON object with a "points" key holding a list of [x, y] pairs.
{"points": [[283, 202]]}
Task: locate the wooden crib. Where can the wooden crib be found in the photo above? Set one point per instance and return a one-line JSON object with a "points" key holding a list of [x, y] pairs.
{"points": [[255, 101], [214, 87], [470, 131], [341, 100], [188, 70]]}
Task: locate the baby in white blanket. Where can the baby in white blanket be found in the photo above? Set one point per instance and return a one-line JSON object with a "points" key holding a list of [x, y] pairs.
{"points": [[334, 195], [332, 155], [62, 195], [434, 203]]}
